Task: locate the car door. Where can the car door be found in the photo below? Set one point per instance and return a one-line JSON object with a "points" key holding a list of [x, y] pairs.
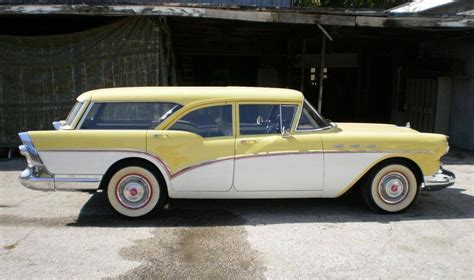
{"points": [[198, 148], [266, 160]]}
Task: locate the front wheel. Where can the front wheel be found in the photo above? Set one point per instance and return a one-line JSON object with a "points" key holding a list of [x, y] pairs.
{"points": [[392, 187], [134, 191]]}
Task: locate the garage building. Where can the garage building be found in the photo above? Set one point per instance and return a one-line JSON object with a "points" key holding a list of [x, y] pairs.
{"points": [[391, 66]]}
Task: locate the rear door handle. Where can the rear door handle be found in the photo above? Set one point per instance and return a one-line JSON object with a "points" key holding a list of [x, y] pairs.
{"points": [[248, 141]]}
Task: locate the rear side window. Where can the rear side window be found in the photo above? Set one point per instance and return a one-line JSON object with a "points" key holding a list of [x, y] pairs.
{"points": [[211, 121], [128, 115]]}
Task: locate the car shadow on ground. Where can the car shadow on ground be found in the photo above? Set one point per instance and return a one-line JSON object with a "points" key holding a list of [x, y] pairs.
{"points": [[450, 203]]}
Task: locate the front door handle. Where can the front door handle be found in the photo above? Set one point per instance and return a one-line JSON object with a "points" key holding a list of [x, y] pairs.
{"points": [[248, 141], [160, 136]]}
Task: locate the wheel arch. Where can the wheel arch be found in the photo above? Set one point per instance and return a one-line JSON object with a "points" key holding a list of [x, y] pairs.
{"points": [[406, 161], [409, 162], [161, 171]]}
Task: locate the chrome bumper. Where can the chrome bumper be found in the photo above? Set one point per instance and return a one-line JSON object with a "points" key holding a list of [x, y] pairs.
{"points": [[442, 179], [44, 182]]}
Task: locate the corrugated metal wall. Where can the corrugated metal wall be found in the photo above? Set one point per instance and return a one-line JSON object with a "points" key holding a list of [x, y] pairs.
{"points": [[256, 3], [461, 129]]}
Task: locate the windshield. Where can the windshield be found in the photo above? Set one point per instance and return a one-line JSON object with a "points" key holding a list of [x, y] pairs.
{"points": [[72, 115], [310, 118]]}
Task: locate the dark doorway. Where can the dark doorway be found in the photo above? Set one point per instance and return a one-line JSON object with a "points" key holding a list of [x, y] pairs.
{"points": [[378, 106], [225, 71], [339, 97]]}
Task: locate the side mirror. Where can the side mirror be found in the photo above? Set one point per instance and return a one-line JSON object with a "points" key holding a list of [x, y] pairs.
{"points": [[285, 133]]}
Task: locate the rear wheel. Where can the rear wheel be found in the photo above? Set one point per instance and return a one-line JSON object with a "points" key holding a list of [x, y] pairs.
{"points": [[392, 187], [135, 190]]}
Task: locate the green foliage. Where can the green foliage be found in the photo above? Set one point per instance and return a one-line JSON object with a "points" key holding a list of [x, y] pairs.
{"points": [[371, 4]]}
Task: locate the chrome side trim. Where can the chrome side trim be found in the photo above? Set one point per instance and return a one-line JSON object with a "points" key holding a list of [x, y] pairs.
{"points": [[380, 151], [43, 182], [76, 184]]}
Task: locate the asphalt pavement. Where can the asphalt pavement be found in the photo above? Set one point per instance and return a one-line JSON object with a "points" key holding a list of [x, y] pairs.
{"points": [[72, 234]]}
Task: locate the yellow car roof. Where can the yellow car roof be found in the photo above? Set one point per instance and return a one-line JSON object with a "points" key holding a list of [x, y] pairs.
{"points": [[187, 95]]}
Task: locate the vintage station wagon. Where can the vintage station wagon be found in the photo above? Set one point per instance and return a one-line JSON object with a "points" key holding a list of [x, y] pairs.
{"points": [[144, 145]]}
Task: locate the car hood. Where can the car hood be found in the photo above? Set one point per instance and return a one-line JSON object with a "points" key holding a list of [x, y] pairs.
{"points": [[374, 128]]}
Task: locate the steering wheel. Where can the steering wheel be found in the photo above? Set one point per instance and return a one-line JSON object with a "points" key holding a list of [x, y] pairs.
{"points": [[274, 126]]}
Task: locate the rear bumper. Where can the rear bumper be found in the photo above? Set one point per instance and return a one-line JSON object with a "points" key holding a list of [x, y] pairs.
{"points": [[44, 182], [442, 179]]}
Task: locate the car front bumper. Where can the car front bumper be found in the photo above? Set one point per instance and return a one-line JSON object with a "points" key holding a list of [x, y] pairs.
{"points": [[35, 180], [442, 179]]}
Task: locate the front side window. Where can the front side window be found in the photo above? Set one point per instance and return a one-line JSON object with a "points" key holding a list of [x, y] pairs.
{"points": [[310, 119], [211, 121], [265, 118], [73, 114], [128, 115]]}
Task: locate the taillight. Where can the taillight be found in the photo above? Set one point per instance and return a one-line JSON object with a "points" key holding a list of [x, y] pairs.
{"points": [[28, 150]]}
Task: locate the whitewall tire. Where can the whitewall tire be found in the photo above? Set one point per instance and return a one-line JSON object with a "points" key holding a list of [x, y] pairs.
{"points": [[392, 187], [135, 191]]}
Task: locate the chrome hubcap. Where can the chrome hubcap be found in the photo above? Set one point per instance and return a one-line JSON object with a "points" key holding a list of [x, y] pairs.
{"points": [[393, 187], [133, 191]]}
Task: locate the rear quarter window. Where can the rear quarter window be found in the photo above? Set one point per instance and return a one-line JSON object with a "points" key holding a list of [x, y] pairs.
{"points": [[128, 115]]}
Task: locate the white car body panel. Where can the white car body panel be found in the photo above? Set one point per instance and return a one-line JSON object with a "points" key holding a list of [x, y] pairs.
{"points": [[213, 177], [84, 162], [284, 172], [342, 169], [291, 175]]}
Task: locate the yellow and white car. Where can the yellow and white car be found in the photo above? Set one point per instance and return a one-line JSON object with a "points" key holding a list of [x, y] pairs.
{"points": [[143, 145]]}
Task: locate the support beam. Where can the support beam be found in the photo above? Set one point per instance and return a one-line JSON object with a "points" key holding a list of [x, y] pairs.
{"points": [[324, 31], [321, 73], [319, 16]]}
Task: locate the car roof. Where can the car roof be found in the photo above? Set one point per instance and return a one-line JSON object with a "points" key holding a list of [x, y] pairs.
{"points": [[187, 95]]}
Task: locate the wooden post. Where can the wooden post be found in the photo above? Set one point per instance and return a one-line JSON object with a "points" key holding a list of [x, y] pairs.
{"points": [[321, 73], [302, 65]]}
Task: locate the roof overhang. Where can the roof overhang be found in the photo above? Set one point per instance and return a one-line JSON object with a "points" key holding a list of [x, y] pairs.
{"points": [[420, 6], [291, 16]]}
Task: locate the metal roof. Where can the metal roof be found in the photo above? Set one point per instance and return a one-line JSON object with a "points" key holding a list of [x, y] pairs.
{"points": [[187, 95]]}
